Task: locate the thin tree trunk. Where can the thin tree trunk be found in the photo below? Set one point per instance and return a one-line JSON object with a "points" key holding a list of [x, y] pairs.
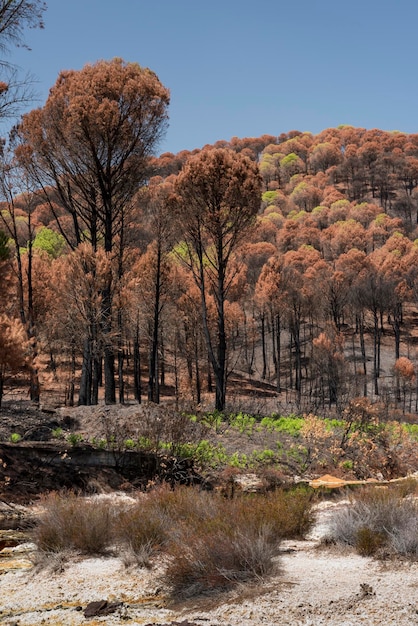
{"points": [[197, 371], [363, 353], [263, 345], [375, 352], [96, 379], [108, 352], [1, 387], [121, 381], [279, 354], [162, 359], [137, 366], [84, 396], [71, 391], [34, 378], [153, 390]]}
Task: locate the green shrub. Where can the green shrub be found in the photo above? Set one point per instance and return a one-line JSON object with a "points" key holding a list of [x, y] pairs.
{"points": [[289, 425], [412, 430], [15, 437], [213, 420], [74, 439], [263, 457], [243, 423], [238, 459]]}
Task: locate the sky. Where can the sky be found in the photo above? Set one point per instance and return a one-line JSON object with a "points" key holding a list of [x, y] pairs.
{"points": [[245, 68]]}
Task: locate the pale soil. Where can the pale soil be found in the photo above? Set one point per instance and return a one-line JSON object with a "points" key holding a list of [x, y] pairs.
{"points": [[314, 586]]}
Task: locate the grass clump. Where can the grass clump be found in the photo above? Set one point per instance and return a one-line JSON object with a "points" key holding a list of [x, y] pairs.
{"points": [[219, 542], [208, 542], [214, 556], [69, 522], [379, 522], [369, 541], [142, 531]]}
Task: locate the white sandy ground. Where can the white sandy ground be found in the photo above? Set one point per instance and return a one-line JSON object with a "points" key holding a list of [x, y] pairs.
{"points": [[315, 586]]}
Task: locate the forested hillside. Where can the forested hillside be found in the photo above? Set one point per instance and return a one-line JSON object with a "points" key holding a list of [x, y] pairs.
{"points": [[280, 267]]}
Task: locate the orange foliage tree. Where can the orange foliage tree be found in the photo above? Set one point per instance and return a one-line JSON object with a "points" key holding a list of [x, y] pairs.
{"points": [[219, 195], [13, 346], [91, 145]]}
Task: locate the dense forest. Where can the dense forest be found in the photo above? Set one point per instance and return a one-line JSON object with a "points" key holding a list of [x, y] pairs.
{"points": [[280, 266]]}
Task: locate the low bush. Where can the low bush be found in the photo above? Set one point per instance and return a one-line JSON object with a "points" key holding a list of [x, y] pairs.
{"points": [[231, 541], [369, 541], [69, 522], [210, 542], [215, 555], [378, 521], [290, 425], [142, 531]]}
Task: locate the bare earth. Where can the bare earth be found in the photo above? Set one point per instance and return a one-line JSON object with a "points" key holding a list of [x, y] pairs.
{"points": [[314, 586]]}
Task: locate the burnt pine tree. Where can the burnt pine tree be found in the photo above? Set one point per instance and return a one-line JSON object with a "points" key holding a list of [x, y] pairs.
{"points": [[89, 148], [219, 195]]}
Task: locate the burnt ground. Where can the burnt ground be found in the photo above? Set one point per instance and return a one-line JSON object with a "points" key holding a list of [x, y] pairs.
{"points": [[41, 461], [28, 421]]}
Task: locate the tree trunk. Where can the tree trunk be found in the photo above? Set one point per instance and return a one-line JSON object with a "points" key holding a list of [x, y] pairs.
{"points": [[121, 381], [263, 345], [162, 359], [71, 390], [34, 378], [197, 372], [121, 355], [295, 331], [217, 360], [376, 344], [279, 356], [109, 375], [363, 353], [220, 371], [84, 396], [153, 388], [137, 366], [108, 353], [96, 380]]}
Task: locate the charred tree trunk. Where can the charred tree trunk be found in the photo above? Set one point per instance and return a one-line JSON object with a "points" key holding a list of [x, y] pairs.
{"points": [[108, 352], [84, 397], [137, 366], [279, 354], [153, 383], [263, 345], [121, 359]]}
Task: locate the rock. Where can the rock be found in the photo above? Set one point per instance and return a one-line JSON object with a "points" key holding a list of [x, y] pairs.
{"points": [[101, 607], [13, 516]]}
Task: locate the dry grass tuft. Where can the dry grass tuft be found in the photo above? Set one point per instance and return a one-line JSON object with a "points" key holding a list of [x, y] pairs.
{"points": [[72, 522], [379, 521], [211, 543], [223, 542]]}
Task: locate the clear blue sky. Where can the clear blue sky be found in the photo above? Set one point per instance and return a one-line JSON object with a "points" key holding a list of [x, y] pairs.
{"points": [[246, 67]]}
